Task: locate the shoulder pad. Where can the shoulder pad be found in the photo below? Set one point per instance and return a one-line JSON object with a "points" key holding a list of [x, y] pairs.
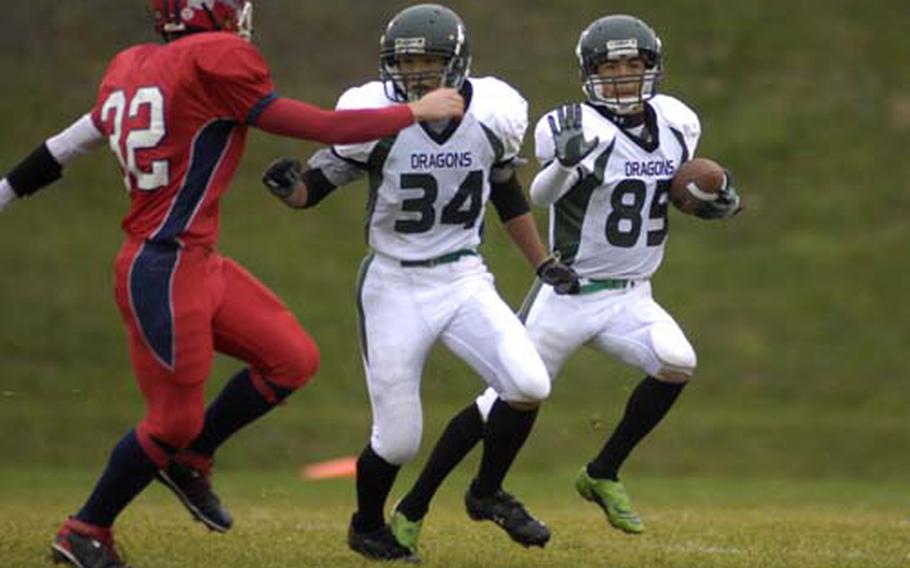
{"points": [[680, 117], [500, 107], [674, 111], [369, 95]]}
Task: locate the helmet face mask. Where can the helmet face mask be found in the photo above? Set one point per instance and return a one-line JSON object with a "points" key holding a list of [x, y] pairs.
{"points": [[414, 75], [174, 18], [622, 92], [617, 39], [424, 47]]}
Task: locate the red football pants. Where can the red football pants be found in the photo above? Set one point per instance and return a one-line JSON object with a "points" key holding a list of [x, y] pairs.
{"points": [[182, 305]]}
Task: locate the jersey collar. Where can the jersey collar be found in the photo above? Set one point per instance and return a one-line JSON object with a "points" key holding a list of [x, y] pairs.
{"points": [[442, 136], [650, 140]]}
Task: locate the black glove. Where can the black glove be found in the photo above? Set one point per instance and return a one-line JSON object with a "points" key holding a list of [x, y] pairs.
{"points": [[283, 176], [727, 203], [561, 277]]}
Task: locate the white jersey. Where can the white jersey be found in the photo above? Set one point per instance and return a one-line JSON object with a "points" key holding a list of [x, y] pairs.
{"points": [[613, 222], [428, 191]]}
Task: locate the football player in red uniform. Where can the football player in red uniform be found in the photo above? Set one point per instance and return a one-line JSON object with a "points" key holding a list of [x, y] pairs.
{"points": [[176, 117]]}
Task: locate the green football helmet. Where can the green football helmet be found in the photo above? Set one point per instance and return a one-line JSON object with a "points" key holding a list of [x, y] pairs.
{"points": [[424, 29], [612, 38]]}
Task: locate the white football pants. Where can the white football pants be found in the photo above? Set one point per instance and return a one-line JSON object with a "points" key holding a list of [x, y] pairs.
{"points": [[626, 324], [403, 311]]}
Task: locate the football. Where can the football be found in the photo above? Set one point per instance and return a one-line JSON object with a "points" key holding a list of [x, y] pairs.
{"points": [[696, 181]]}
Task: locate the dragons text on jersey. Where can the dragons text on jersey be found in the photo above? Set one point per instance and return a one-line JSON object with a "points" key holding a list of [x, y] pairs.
{"points": [[429, 188]]}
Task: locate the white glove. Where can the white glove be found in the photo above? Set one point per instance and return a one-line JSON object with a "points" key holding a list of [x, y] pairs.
{"points": [[6, 193]]}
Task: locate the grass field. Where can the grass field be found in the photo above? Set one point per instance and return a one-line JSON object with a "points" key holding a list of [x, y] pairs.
{"points": [[789, 450], [691, 522]]}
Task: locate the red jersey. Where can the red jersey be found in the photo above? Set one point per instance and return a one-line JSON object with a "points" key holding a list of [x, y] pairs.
{"points": [[176, 116]]}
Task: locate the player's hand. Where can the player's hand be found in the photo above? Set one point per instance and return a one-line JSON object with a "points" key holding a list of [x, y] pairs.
{"points": [[437, 105], [568, 136], [727, 204], [283, 176], [6, 194], [561, 277]]}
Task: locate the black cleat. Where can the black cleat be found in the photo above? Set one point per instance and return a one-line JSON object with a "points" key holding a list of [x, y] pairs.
{"points": [[507, 512], [379, 544], [85, 546], [189, 477]]}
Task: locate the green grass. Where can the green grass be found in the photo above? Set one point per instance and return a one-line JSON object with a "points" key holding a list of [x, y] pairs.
{"points": [[690, 521], [789, 449]]}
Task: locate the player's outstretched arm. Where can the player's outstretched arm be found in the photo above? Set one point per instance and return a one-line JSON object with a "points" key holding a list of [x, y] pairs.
{"points": [[553, 182], [45, 164], [287, 180], [295, 119]]}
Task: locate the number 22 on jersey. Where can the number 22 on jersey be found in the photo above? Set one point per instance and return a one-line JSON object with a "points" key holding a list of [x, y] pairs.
{"points": [[117, 108]]}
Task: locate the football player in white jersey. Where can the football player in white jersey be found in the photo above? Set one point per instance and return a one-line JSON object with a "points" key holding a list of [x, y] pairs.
{"points": [[423, 280], [606, 168]]}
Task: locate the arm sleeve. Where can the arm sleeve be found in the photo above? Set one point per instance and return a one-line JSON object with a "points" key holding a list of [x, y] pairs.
{"points": [[509, 199], [45, 164], [287, 117], [318, 187], [336, 169], [553, 182], [80, 138], [326, 172]]}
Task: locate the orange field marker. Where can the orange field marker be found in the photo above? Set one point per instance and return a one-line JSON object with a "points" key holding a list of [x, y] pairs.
{"points": [[329, 469]]}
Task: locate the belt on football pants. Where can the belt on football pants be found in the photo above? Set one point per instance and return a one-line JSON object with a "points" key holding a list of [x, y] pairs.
{"points": [[444, 259], [606, 284]]}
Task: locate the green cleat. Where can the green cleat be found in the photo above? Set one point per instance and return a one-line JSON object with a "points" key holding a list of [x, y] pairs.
{"points": [[406, 532], [612, 498]]}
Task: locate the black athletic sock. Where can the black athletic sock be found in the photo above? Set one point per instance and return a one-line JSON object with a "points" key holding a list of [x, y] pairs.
{"points": [[128, 472], [238, 404], [505, 434], [648, 404], [463, 432], [375, 477]]}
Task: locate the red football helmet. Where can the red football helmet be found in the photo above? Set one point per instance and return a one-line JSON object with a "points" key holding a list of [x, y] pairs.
{"points": [[182, 16]]}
